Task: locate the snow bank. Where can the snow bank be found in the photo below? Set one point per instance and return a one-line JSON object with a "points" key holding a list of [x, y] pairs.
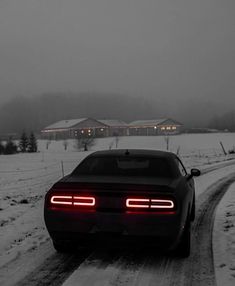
{"points": [[224, 239]]}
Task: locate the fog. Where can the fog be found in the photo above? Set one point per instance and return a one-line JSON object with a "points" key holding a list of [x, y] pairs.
{"points": [[178, 54]]}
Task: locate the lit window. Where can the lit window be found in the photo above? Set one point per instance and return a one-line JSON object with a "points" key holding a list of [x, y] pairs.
{"points": [[174, 127], [101, 129], [82, 131], [168, 128], [163, 128], [155, 127]]}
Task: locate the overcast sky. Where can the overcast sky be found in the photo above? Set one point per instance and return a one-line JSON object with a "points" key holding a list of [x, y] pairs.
{"points": [[178, 49]]}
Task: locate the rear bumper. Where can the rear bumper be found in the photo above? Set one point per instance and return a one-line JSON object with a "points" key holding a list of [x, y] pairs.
{"points": [[114, 228], [107, 239]]}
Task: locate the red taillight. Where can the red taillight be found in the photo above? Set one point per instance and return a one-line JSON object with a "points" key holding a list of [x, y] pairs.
{"points": [[61, 200], [137, 203], [161, 204], [150, 203], [83, 201]]}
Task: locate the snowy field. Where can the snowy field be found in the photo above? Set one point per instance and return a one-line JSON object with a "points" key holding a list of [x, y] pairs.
{"points": [[224, 239], [25, 178]]}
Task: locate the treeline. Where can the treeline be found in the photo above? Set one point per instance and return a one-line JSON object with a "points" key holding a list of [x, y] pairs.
{"points": [[34, 113], [37, 112], [224, 122], [25, 144]]}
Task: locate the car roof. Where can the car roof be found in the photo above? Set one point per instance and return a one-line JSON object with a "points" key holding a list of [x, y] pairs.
{"points": [[134, 152]]}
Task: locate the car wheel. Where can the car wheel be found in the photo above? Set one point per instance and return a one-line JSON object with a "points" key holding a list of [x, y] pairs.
{"points": [[184, 246], [62, 246]]}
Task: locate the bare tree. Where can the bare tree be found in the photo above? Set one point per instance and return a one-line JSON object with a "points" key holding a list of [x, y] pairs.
{"points": [[84, 143], [167, 140], [48, 142], [117, 138], [65, 144], [178, 150], [110, 145]]}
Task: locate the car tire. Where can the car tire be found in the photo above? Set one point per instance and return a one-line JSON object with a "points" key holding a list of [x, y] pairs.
{"points": [[184, 246], [62, 247]]}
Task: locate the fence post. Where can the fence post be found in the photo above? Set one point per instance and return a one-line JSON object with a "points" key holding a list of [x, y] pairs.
{"points": [[62, 168], [223, 148]]}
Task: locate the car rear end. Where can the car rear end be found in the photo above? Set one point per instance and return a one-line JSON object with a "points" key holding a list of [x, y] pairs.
{"points": [[115, 212]]}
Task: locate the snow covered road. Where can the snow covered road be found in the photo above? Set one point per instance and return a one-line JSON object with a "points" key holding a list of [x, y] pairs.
{"points": [[38, 264]]}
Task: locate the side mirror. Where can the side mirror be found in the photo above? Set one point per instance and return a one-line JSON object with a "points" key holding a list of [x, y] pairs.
{"points": [[195, 172]]}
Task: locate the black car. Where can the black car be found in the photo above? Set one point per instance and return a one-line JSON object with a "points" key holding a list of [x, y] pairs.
{"points": [[123, 197]]}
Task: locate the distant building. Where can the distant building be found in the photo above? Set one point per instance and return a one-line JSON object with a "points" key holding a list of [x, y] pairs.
{"points": [[154, 127], [114, 127], [73, 128], [85, 127]]}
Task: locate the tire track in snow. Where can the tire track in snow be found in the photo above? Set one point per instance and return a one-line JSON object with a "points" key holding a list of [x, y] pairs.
{"points": [[55, 269], [198, 269], [217, 166], [202, 268]]}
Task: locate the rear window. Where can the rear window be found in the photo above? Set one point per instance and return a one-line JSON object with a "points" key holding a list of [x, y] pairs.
{"points": [[124, 166]]}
